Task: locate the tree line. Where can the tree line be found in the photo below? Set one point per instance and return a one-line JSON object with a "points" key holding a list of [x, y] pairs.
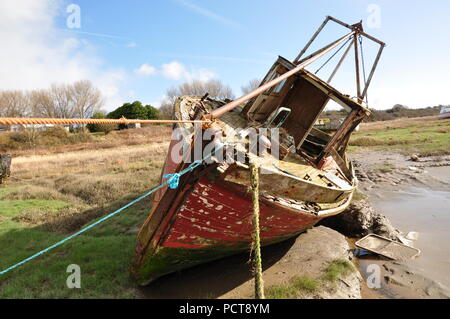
{"points": [[80, 99], [83, 100], [397, 111], [215, 88]]}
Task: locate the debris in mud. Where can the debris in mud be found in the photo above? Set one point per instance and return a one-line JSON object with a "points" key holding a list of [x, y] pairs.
{"points": [[359, 220], [387, 248]]}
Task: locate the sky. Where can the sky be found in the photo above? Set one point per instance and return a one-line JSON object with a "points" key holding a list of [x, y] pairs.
{"points": [[137, 49]]}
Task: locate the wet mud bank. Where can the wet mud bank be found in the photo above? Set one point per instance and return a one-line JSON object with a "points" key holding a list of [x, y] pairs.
{"points": [[403, 194], [308, 266], [298, 268]]}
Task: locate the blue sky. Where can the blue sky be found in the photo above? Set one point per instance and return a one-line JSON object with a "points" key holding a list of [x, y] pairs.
{"points": [[136, 49]]}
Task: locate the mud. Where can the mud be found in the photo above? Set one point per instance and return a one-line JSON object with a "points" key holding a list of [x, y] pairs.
{"points": [[413, 193], [389, 171], [401, 281], [380, 173], [308, 255]]}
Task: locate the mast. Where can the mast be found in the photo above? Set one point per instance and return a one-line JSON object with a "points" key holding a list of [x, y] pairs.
{"points": [[313, 57], [356, 31]]}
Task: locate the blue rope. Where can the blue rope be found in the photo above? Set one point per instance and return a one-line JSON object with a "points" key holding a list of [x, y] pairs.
{"points": [[173, 181]]}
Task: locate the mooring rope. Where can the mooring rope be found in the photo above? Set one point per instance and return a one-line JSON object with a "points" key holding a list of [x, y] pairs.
{"points": [[172, 181], [257, 261], [62, 121]]}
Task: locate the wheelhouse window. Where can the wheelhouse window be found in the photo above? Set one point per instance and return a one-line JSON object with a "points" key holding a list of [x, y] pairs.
{"points": [[280, 86], [272, 77]]}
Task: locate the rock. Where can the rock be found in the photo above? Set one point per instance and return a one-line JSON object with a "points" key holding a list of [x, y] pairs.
{"points": [[359, 220], [308, 255]]}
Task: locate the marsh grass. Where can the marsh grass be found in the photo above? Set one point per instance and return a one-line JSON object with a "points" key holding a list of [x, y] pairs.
{"points": [[303, 286], [337, 269], [297, 286], [57, 140], [424, 136], [56, 194]]}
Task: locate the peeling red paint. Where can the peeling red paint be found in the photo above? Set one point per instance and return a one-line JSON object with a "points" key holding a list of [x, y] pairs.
{"points": [[224, 217]]}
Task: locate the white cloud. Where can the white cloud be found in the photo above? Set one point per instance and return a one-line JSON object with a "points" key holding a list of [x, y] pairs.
{"points": [[413, 95], [145, 70], [174, 70], [35, 53], [202, 74]]}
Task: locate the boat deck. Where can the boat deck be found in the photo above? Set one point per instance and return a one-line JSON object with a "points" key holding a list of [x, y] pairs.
{"points": [[294, 164]]}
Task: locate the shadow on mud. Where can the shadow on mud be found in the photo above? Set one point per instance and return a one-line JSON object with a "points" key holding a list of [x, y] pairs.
{"points": [[213, 279]]}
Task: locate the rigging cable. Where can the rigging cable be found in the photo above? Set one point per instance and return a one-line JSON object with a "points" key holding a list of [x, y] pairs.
{"points": [[334, 54], [363, 66]]}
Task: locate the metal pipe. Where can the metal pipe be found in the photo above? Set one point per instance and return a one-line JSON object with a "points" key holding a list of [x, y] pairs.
{"points": [[369, 79], [340, 62], [360, 31], [340, 22], [57, 121], [358, 80], [322, 49], [228, 107], [368, 36], [312, 39]]}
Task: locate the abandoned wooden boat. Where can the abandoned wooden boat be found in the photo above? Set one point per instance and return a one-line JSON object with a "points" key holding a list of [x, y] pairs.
{"points": [[308, 177]]}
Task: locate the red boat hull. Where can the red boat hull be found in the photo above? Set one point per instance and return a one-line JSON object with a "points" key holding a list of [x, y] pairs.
{"points": [[211, 221], [213, 215]]}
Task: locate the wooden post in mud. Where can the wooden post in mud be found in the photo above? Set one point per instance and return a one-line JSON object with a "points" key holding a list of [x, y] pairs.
{"points": [[257, 264]]}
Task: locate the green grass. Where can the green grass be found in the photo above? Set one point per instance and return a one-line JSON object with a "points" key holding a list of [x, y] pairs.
{"points": [[281, 292], [4, 191], [104, 254], [299, 286], [337, 269], [431, 138], [13, 207], [39, 207]]}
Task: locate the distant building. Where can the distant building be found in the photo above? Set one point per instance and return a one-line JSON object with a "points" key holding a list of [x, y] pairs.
{"points": [[328, 124], [445, 112], [134, 125]]}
